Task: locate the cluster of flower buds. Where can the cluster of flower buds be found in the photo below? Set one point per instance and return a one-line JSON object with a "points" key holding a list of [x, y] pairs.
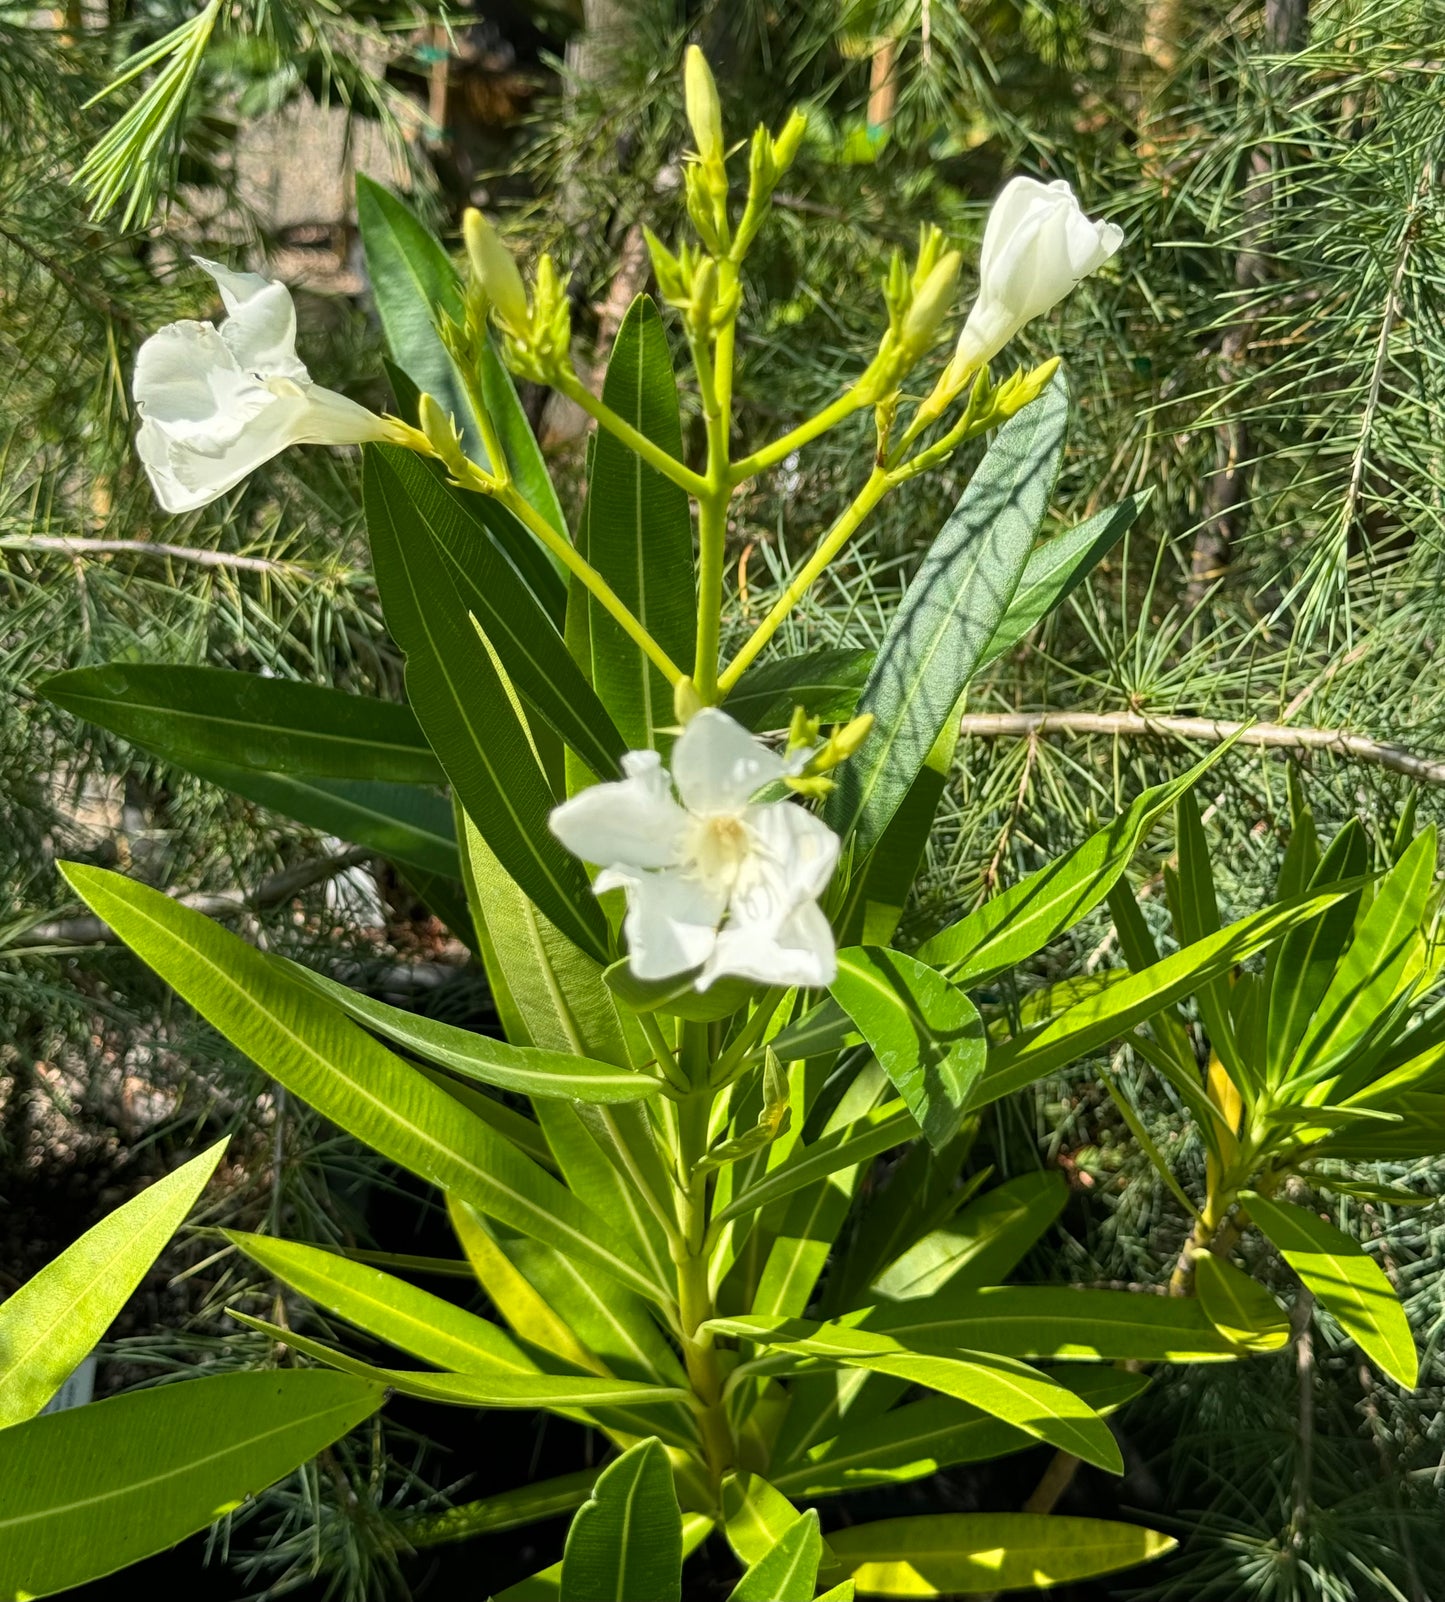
{"points": [[811, 759], [537, 334], [917, 301], [689, 282]]}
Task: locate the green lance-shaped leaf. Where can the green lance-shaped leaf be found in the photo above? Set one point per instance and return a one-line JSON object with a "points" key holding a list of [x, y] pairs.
{"points": [[1009, 1390], [826, 684], [1061, 1322], [546, 1586], [466, 708], [983, 1244], [1056, 569], [508, 1510], [411, 1319], [89, 1490], [527, 1070], [679, 996], [528, 644], [788, 1570], [313, 1049], [638, 533], [414, 283], [945, 1554], [54, 1319], [1239, 1307], [1386, 952], [949, 614], [1346, 1281], [625, 1542], [1112, 1012], [927, 1034], [1024, 918], [919, 1438], [756, 1516], [403, 822], [203, 714]]}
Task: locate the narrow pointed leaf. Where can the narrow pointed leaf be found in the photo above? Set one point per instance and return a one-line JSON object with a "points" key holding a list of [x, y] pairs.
{"points": [[53, 1320], [945, 1554], [91, 1489], [949, 614], [1346, 1281], [312, 1048], [1240, 1308], [788, 1570], [825, 683]]}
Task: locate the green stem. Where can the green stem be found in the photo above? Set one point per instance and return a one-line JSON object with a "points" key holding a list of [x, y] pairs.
{"points": [[878, 485], [634, 439], [852, 400], [694, 1296], [588, 576], [715, 382], [666, 1058]]}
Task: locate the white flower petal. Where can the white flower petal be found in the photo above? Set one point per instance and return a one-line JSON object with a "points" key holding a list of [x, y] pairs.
{"points": [[188, 381], [671, 923], [717, 765], [261, 326], [801, 952], [331, 419], [628, 823], [801, 848], [187, 473]]}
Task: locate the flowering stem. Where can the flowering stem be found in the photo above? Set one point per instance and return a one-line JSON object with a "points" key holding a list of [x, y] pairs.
{"points": [[715, 382], [694, 1297], [666, 1058], [586, 575], [569, 384], [767, 456], [878, 485]]}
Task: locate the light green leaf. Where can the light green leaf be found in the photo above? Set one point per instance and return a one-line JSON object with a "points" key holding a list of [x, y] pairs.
{"points": [[508, 1510], [927, 1035], [919, 1438], [546, 1586], [945, 1554], [202, 714], [413, 1320], [316, 1051], [639, 533], [531, 649], [466, 707], [948, 615], [1097, 1019], [1024, 918], [756, 1515], [1055, 571], [53, 1320], [679, 996], [806, 1165], [1062, 1321], [826, 684], [626, 1541], [1240, 1308], [91, 1489], [1346, 1281], [996, 1384], [820, 1032], [788, 1570], [527, 1070], [983, 1244]]}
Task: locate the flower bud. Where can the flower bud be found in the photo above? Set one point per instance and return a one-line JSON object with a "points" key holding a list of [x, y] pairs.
{"points": [[495, 268], [1037, 245], [788, 142], [931, 302], [704, 112], [440, 430]]}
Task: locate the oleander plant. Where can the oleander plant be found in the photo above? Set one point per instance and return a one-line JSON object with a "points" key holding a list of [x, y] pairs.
{"points": [[683, 871]]}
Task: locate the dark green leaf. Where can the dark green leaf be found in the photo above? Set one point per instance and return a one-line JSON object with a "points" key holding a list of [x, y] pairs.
{"points": [[825, 683]]}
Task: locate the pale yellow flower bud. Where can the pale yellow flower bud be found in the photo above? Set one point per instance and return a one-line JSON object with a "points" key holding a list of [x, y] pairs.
{"points": [[704, 111], [495, 269], [931, 302]]}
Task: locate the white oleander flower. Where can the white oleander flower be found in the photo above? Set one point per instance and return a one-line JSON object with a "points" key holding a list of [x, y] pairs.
{"points": [[215, 403], [1037, 245], [714, 879]]}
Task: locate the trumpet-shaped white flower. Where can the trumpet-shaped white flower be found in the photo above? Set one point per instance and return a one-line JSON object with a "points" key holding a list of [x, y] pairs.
{"points": [[1037, 244], [714, 879], [215, 403]]}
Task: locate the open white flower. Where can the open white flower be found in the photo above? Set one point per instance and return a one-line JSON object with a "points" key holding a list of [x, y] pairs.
{"points": [[215, 403], [1037, 244], [714, 880]]}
